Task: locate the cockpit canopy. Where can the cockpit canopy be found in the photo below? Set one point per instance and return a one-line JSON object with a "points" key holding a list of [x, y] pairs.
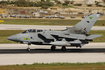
{"points": [[32, 31]]}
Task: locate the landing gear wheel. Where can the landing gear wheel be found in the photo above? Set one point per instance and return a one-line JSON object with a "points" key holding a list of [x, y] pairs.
{"points": [[63, 48], [80, 46], [28, 49], [53, 48], [76, 46]]}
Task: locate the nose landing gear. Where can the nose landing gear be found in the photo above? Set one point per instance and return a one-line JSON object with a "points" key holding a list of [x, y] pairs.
{"points": [[28, 49]]}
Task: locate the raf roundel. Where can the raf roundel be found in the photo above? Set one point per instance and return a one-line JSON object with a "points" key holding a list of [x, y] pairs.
{"points": [[31, 37], [84, 28]]}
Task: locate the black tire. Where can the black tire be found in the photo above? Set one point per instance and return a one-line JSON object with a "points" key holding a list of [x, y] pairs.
{"points": [[80, 46], [53, 48], [76, 46], [63, 48], [28, 49]]}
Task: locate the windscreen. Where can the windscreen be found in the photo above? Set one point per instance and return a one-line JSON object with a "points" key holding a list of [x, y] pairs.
{"points": [[29, 31], [39, 30], [25, 32]]}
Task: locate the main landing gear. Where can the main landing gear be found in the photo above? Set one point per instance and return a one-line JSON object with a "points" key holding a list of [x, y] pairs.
{"points": [[53, 48], [63, 48], [28, 49], [78, 46]]}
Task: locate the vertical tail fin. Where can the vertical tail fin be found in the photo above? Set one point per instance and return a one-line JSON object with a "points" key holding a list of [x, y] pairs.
{"points": [[84, 26]]}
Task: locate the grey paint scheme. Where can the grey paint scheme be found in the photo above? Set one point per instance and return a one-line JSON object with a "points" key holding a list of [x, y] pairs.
{"points": [[72, 36]]}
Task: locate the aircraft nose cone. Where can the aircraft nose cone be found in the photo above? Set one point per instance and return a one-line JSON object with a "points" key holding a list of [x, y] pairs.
{"points": [[12, 38]]}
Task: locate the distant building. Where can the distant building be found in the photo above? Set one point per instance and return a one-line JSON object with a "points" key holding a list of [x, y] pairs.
{"points": [[92, 2], [34, 0], [82, 1], [8, 0], [26, 0], [89, 1], [62, 1]]}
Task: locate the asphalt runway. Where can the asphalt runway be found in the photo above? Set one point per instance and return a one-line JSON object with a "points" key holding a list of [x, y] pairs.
{"points": [[22, 48], [21, 51], [24, 27], [11, 54]]}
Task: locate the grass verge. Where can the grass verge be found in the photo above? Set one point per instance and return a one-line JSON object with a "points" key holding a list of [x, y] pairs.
{"points": [[56, 66], [47, 22], [6, 33]]}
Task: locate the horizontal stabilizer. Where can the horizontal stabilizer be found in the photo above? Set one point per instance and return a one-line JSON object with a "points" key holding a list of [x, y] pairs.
{"points": [[93, 36]]}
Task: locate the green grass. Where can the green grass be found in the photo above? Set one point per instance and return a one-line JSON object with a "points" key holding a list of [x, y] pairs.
{"points": [[56, 66], [6, 33], [46, 22]]}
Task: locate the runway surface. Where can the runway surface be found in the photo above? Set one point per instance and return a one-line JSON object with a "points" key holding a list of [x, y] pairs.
{"points": [[24, 27], [21, 48], [17, 54]]}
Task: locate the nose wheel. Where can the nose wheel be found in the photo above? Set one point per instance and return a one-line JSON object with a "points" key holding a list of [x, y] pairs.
{"points": [[28, 49]]}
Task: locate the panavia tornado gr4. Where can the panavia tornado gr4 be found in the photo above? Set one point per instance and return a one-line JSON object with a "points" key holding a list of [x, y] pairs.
{"points": [[76, 36]]}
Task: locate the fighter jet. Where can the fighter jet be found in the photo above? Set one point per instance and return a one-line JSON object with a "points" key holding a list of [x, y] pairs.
{"points": [[76, 36]]}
